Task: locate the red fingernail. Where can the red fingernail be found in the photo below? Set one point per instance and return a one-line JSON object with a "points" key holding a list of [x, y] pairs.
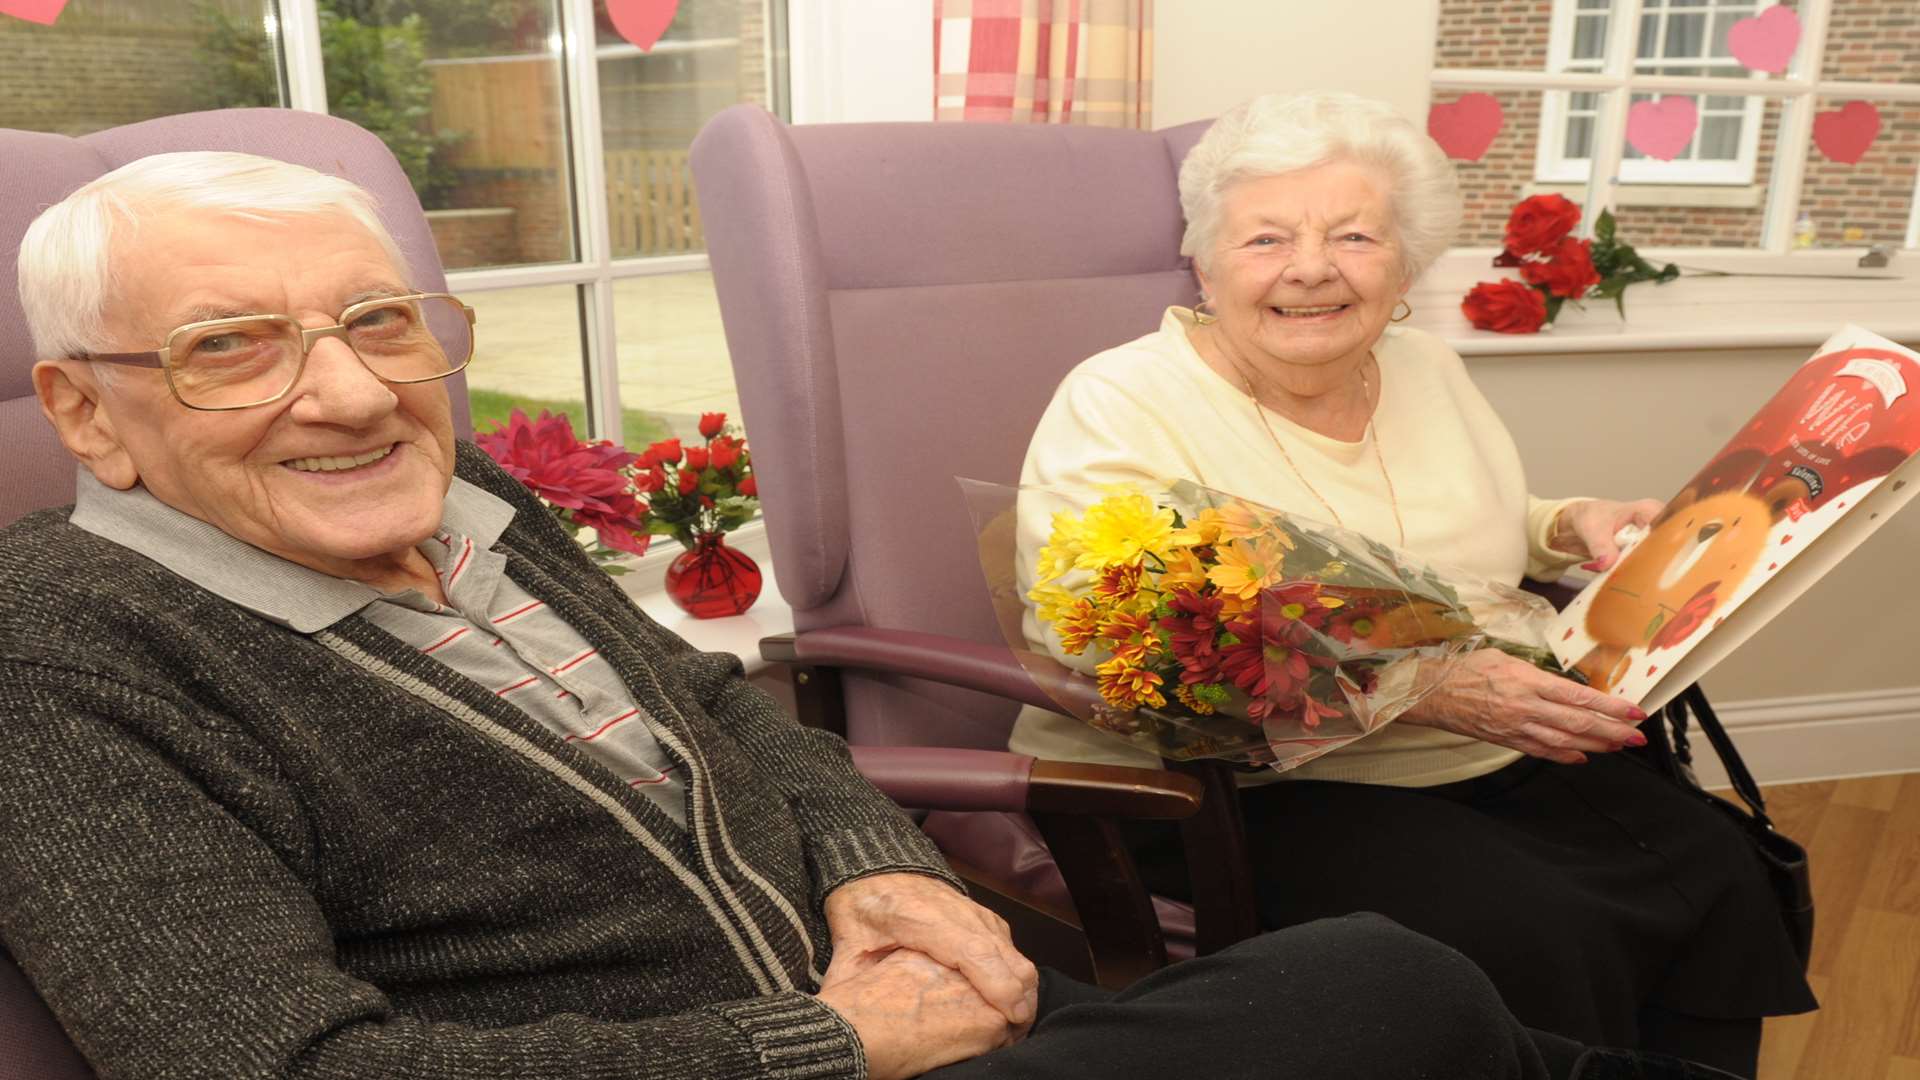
{"points": [[1637, 714], [1636, 739], [1594, 565]]}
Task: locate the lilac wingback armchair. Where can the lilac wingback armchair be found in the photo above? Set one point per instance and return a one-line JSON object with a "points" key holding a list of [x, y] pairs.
{"points": [[37, 170], [900, 301]]}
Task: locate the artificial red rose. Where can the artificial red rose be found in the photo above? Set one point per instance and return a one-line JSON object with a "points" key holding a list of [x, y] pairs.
{"points": [[1567, 271], [1505, 306], [749, 487], [650, 481], [712, 423], [689, 481], [723, 453], [664, 451], [696, 458], [1539, 223]]}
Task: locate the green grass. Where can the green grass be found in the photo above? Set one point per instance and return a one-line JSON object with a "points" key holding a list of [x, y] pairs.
{"points": [[491, 406]]}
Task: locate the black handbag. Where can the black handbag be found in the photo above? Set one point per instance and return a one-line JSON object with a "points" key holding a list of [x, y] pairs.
{"points": [[1784, 860]]}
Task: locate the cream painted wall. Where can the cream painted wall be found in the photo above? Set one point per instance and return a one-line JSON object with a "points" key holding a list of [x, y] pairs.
{"points": [[1587, 425], [1211, 54]]}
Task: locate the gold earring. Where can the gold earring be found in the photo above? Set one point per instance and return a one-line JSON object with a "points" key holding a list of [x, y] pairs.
{"points": [[1201, 316], [1401, 318]]}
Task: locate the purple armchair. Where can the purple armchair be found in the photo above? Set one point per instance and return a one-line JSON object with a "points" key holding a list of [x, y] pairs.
{"points": [[900, 301]]}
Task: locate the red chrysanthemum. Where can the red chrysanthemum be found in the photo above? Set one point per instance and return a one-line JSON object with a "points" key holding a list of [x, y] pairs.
{"points": [[586, 482], [1195, 628]]}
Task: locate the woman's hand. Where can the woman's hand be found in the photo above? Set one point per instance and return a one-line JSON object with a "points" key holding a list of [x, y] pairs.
{"points": [[1493, 697], [1587, 528]]}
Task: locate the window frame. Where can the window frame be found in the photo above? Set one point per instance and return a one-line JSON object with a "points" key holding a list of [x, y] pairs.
{"points": [[1799, 91], [1551, 165], [594, 269]]}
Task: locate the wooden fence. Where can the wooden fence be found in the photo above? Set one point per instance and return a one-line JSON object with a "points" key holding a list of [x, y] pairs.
{"points": [[650, 204]]}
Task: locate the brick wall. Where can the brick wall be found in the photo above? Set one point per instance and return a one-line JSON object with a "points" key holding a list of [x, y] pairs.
{"points": [[1868, 40]]}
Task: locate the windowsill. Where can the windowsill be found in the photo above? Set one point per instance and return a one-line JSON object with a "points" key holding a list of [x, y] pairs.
{"points": [[739, 634], [1719, 196], [1693, 312]]}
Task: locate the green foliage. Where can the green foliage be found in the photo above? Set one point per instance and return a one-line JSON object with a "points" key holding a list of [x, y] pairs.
{"points": [[1618, 266], [376, 77]]}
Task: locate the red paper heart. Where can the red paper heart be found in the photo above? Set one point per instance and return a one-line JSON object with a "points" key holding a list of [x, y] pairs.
{"points": [[1662, 129], [1467, 127], [1845, 134], [34, 11], [642, 22], [1773, 566], [1652, 669], [1765, 43], [1567, 635], [1787, 539]]}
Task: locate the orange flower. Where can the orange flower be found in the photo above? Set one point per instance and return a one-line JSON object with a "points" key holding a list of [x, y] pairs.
{"points": [[1077, 624], [1244, 567], [1234, 521], [1184, 571], [1118, 584], [1128, 685], [1131, 637]]}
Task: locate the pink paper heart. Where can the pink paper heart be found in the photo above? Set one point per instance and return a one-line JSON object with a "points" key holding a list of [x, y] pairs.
{"points": [[642, 22], [1662, 129], [1465, 128], [1845, 134], [34, 11], [1765, 42]]}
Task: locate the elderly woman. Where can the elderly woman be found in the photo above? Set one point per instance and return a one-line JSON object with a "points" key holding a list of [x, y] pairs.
{"points": [[1496, 816], [327, 753]]}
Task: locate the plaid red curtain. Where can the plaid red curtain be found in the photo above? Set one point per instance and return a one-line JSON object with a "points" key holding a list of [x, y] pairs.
{"points": [[1044, 61]]}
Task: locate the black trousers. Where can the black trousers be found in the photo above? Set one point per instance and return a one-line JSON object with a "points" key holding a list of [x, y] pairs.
{"points": [[1358, 996]]}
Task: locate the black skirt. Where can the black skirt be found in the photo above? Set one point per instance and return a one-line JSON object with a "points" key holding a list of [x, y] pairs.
{"points": [[1586, 892]]}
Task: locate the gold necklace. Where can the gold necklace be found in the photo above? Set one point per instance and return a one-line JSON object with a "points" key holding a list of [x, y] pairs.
{"points": [[1393, 500]]}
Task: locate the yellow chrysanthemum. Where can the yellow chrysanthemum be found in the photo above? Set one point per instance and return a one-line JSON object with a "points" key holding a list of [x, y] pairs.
{"points": [[1128, 685], [1234, 521], [1119, 529], [1061, 550], [1049, 601], [1247, 566]]}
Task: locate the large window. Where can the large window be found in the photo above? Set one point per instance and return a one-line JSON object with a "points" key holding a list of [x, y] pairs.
{"points": [[1760, 169], [550, 155]]}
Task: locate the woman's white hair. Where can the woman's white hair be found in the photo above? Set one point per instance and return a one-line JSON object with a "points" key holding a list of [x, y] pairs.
{"points": [[66, 264], [1279, 133]]}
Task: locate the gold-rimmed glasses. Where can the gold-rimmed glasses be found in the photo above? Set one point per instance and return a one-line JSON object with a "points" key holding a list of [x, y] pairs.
{"points": [[236, 363]]}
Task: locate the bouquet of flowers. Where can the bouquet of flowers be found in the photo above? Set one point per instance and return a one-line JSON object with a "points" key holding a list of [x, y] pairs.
{"points": [[695, 491], [1213, 627], [1556, 268], [627, 499]]}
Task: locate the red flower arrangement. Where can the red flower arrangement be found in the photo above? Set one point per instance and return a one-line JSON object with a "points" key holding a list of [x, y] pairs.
{"points": [[625, 498], [1556, 268]]}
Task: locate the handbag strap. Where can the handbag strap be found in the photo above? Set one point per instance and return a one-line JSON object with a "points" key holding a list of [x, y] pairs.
{"points": [[1694, 699]]}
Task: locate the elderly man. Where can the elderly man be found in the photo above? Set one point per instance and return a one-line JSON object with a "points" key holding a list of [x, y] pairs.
{"points": [[327, 754]]}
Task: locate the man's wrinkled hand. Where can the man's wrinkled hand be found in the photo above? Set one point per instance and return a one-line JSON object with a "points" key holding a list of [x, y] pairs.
{"points": [[914, 1014], [871, 917]]}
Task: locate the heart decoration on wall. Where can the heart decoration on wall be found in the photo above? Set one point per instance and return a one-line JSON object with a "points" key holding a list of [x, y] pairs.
{"points": [[1467, 127], [1662, 129], [34, 11], [642, 22], [1766, 41], [1845, 134]]}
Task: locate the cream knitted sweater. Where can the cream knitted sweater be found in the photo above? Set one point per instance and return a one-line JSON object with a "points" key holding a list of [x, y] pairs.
{"points": [[1152, 411]]}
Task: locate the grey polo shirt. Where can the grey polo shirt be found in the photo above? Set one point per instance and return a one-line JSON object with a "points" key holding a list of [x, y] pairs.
{"points": [[490, 630]]}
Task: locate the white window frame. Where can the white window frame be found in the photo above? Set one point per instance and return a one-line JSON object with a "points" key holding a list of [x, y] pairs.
{"points": [[594, 269], [1799, 92], [1551, 165]]}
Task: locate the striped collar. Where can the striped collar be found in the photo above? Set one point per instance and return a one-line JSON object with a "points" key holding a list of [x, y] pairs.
{"points": [[287, 593]]}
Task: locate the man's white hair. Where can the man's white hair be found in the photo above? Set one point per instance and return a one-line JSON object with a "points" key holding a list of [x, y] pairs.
{"points": [[1279, 133], [66, 267]]}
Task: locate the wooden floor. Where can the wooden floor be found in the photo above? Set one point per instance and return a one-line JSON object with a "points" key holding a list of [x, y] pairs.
{"points": [[1863, 843]]}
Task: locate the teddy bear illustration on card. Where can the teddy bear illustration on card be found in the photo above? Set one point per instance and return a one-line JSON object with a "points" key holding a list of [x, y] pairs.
{"points": [[1843, 423]]}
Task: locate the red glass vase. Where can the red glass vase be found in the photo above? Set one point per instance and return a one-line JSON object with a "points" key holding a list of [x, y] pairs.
{"points": [[711, 580]]}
